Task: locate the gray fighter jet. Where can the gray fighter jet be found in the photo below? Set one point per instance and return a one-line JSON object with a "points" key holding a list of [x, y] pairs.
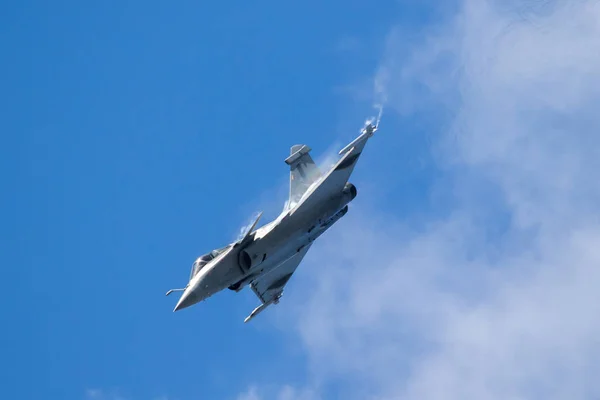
{"points": [[265, 258]]}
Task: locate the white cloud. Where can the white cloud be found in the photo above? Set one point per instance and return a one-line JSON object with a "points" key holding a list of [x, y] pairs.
{"points": [[93, 393], [284, 392], [250, 394], [100, 394], [457, 310]]}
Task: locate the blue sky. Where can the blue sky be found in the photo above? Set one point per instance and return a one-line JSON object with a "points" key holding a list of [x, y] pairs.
{"points": [[138, 135]]}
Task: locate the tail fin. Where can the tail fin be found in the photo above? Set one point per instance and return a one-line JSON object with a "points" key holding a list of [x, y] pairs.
{"points": [[303, 171]]}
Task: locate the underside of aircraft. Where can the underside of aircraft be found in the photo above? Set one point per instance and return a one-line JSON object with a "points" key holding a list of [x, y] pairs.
{"points": [[265, 258]]}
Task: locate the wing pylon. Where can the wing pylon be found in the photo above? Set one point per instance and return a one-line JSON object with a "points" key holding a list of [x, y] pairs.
{"points": [[269, 287]]}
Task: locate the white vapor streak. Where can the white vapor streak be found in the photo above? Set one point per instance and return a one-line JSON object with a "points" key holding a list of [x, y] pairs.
{"points": [[244, 229]]}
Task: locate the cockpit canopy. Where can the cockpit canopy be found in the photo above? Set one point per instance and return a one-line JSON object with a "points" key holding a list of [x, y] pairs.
{"points": [[205, 259]]}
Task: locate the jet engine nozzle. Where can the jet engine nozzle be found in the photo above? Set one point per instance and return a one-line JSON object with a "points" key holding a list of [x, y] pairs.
{"points": [[349, 192]]}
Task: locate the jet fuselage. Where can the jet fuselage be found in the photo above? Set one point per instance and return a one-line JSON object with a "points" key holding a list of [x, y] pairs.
{"points": [[265, 258], [269, 247]]}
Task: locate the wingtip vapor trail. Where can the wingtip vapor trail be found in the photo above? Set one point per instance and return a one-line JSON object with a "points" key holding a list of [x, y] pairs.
{"points": [[380, 106], [248, 226], [377, 119]]}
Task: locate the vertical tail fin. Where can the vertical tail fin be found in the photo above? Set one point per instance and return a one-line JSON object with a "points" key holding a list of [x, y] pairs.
{"points": [[303, 171]]}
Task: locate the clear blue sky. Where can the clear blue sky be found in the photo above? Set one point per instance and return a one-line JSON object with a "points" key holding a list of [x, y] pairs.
{"points": [[138, 135]]}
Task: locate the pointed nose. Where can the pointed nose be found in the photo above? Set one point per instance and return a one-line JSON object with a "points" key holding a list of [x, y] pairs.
{"points": [[188, 298]]}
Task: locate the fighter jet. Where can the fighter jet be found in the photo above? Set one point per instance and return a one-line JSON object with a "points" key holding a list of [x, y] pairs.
{"points": [[265, 258]]}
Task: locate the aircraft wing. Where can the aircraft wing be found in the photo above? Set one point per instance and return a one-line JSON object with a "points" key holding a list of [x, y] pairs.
{"points": [[269, 287], [334, 181]]}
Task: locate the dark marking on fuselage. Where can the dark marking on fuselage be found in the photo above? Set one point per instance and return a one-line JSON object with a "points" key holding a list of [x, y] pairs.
{"points": [[347, 162], [280, 282]]}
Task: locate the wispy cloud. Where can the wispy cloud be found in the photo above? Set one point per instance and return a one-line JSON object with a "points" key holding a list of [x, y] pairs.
{"points": [[284, 392], [250, 394], [101, 394], [499, 299]]}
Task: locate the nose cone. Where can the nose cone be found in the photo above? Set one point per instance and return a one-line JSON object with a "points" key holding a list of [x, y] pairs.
{"points": [[188, 298]]}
